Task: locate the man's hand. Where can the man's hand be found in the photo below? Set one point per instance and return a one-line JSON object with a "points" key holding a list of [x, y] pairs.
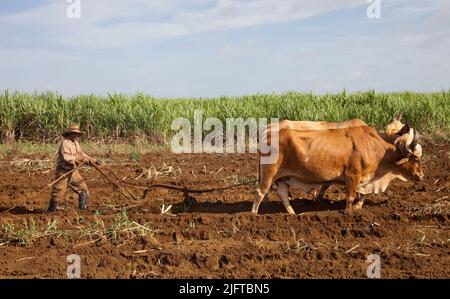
{"points": [[96, 162], [79, 163]]}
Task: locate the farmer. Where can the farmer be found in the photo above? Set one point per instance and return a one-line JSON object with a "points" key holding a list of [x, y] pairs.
{"points": [[69, 158]]}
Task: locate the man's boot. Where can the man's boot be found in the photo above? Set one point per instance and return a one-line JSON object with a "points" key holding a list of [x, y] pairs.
{"points": [[52, 206], [83, 200]]}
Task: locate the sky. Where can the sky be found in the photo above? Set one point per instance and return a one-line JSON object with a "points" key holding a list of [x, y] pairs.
{"points": [[210, 48]]}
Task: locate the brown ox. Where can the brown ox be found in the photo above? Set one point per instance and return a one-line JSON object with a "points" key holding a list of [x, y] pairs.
{"points": [[354, 156], [393, 130], [314, 125]]}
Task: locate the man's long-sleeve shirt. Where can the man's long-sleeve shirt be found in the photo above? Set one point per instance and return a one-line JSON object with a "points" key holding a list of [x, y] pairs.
{"points": [[69, 153]]}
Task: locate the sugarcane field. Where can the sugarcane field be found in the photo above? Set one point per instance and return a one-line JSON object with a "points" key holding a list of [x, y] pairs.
{"points": [[224, 140]]}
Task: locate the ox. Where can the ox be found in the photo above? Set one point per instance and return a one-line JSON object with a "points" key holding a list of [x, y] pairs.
{"points": [[355, 157], [313, 125], [393, 130]]}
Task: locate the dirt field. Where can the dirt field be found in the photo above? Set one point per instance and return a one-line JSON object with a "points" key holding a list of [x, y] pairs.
{"points": [[217, 236]]}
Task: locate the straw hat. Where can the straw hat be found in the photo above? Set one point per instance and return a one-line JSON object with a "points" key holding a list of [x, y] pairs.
{"points": [[73, 128]]}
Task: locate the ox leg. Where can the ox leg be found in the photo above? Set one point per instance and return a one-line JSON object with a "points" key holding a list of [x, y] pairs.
{"points": [[283, 193], [352, 184], [267, 173], [261, 192], [360, 203], [320, 196]]}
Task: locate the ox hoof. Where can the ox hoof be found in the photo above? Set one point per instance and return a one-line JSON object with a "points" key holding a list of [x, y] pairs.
{"points": [[348, 212], [358, 206], [290, 210]]}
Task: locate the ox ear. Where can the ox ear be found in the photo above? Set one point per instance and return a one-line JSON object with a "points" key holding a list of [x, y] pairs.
{"points": [[399, 116], [402, 161]]}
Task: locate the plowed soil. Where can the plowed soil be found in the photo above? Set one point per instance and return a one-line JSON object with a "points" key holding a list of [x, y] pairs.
{"points": [[214, 235]]}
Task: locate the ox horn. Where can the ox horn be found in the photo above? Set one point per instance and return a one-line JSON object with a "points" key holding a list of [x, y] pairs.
{"points": [[399, 116], [415, 139], [417, 151], [410, 139], [405, 140], [402, 161], [416, 136], [416, 148]]}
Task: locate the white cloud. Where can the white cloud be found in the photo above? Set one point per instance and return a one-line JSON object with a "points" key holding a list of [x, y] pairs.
{"points": [[139, 20]]}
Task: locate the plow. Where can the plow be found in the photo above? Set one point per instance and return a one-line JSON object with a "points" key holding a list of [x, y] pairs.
{"points": [[124, 188], [187, 199]]}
